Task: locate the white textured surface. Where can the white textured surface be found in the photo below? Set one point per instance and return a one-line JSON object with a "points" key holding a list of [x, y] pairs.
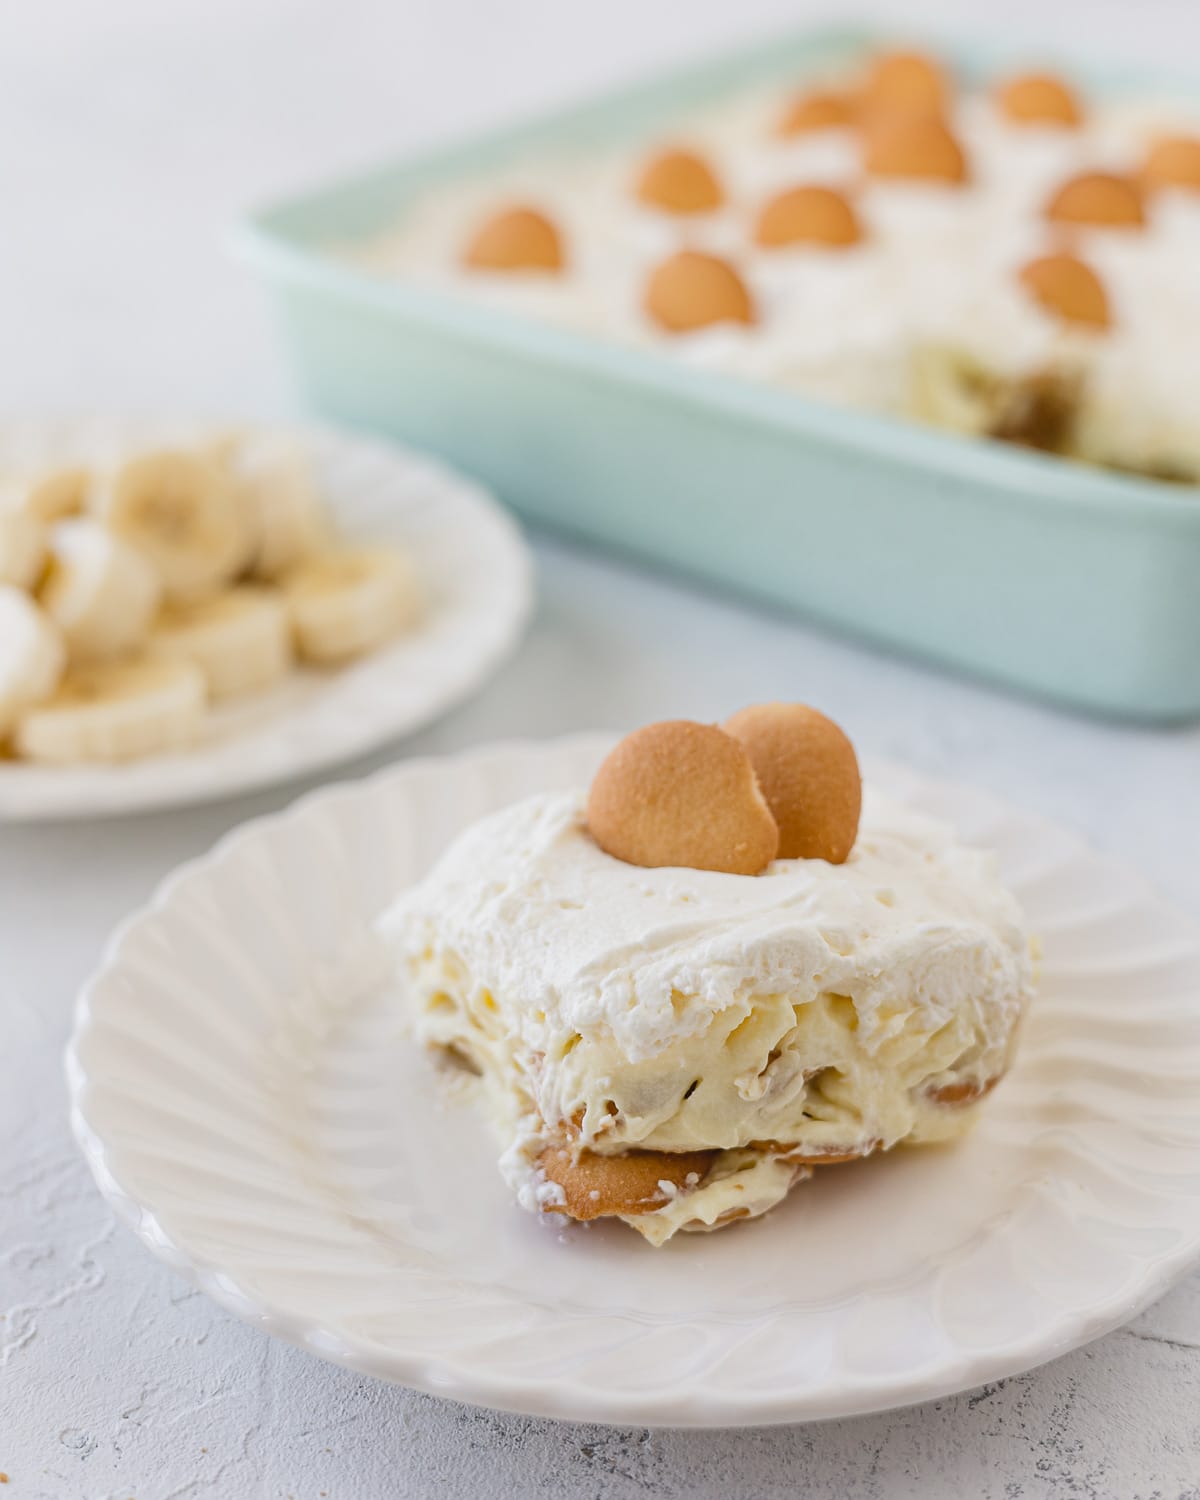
{"points": [[115, 1379], [475, 575]]}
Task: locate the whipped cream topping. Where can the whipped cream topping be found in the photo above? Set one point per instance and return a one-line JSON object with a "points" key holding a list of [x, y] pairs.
{"points": [[577, 941], [812, 1009], [937, 262]]}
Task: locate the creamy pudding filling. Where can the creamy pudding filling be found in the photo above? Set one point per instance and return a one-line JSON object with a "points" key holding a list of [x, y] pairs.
{"points": [[758, 1099]]}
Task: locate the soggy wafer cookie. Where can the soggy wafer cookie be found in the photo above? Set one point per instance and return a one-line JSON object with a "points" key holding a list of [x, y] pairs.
{"points": [[820, 109], [691, 290], [516, 239], [679, 182], [679, 793], [808, 215], [809, 774], [1173, 161], [1066, 287], [1039, 99], [910, 81], [830, 1156], [1104, 199], [966, 1091], [913, 146], [594, 1186]]}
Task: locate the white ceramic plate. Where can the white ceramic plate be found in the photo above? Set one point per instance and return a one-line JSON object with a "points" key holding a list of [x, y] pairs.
{"points": [[479, 579], [243, 1093]]}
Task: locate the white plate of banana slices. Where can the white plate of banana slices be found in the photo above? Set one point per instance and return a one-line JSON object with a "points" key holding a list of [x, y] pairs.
{"points": [[189, 613]]}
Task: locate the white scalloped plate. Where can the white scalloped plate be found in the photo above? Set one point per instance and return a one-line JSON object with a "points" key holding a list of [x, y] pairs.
{"points": [[246, 1101], [478, 576]]}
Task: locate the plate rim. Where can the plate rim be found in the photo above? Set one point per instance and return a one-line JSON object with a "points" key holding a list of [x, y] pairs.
{"points": [[565, 1399], [130, 793]]}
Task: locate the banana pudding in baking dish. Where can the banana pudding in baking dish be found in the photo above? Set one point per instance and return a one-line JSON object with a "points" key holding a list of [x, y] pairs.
{"points": [[1004, 257], [693, 985]]}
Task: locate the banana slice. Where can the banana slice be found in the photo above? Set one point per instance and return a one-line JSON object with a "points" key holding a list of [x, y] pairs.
{"points": [[117, 711], [347, 602], [279, 489], [241, 640], [48, 495], [22, 548], [100, 592], [182, 510], [31, 656]]}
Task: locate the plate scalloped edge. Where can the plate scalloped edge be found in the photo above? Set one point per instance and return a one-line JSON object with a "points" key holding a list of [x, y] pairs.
{"points": [[463, 1373]]}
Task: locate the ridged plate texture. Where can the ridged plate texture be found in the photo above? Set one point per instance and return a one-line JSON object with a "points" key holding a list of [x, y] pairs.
{"points": [[247, 1100]]}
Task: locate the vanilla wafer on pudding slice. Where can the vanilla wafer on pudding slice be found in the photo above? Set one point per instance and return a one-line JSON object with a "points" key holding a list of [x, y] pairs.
{"points": [[714, 971]]}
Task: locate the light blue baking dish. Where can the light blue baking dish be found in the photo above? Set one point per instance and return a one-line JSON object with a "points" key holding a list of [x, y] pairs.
{"points": [[1075, 584]]}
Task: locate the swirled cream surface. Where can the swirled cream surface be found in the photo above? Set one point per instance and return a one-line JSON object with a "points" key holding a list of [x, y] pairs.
{"points": [[811, 1011]]}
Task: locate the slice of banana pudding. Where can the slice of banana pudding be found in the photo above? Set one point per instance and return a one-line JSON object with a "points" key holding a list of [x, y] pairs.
{"points": [[676, 1041]]}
